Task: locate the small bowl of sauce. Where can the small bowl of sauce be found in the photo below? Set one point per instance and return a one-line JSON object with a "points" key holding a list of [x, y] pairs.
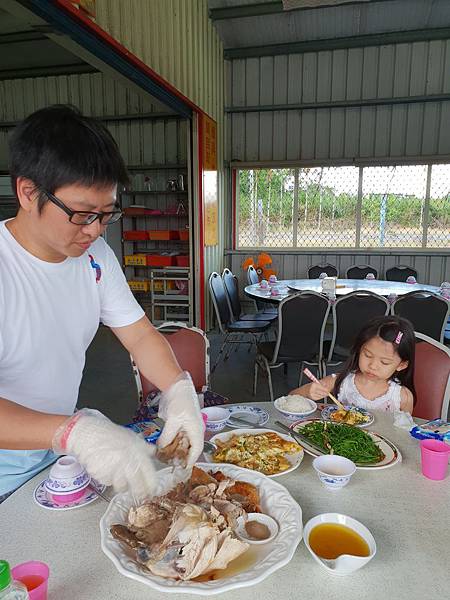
{"points": [[339, 543], [256, 528]]}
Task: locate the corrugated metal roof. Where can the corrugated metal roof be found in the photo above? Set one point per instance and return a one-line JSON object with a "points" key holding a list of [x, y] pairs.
{"points": [[328, 22]]}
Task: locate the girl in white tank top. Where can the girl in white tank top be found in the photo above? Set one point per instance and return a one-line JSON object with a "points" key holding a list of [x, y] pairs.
{"points": [[378, 374]]}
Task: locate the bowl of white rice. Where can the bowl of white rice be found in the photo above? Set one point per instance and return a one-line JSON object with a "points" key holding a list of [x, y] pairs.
{"points": [[295, 407]]}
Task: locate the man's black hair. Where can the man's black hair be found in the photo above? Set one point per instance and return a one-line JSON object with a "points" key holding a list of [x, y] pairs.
{"points": [[58, 146]]}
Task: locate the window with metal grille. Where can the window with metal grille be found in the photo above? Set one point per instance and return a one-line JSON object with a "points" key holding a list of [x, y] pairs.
{"points": [[398, 206]]}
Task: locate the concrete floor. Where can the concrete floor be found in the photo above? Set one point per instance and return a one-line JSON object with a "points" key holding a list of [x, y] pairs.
{"points": [[108, 383]]}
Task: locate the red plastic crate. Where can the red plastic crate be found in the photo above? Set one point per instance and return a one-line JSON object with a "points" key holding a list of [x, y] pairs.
{"points": [[158, 260], [133, 235], [182, 260], [162, 234], [183, 234]]}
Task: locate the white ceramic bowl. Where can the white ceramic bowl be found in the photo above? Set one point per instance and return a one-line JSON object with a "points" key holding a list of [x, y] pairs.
{"points": [[270, 523], [344, 564], [217, 417], [295, 416], [334, 471], [67, 476]]}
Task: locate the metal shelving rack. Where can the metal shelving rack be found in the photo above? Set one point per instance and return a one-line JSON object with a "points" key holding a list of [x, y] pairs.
{"points": [[163, 301]]}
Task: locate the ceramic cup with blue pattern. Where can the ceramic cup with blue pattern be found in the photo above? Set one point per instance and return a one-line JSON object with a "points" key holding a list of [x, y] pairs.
{"points": [[334, 471]]}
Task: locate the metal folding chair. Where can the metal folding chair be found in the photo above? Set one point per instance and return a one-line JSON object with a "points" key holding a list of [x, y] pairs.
{"points": [[234, 330], [350, 313], [428, 312], [400, 273], [360, 271], [191, 348], [431, 378], [301, 325], [261, 306], [316, 270], [231, 287]]}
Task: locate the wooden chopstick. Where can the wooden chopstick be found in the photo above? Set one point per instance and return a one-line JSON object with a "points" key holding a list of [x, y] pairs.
{"points": [[310, 376]]}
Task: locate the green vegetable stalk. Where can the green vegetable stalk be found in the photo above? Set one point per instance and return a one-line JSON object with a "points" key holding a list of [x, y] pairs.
{"points": [[344, 440]]}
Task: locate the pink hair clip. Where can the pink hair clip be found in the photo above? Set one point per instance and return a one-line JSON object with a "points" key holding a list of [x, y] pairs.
{"points": [[398, 339]]}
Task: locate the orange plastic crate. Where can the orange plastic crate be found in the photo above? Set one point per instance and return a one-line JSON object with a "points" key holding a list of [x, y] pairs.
{"points": [[133, 235], [183, 234], [162, 234]]}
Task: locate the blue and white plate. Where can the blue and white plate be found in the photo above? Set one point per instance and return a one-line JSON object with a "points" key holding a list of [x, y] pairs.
{"points": [[42, 497], [329, 410], [253, 415]]}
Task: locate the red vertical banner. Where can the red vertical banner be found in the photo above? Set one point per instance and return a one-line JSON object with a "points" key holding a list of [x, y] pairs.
{"points": [[210, 196]]}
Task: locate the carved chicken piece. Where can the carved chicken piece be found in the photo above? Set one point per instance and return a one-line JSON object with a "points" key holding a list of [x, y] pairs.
{"points": [[176, 452], [229, 548], [192, 545]]}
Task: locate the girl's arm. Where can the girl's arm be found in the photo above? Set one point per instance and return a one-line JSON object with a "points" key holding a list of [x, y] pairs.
{"points": [[406, 400], [315, 391]]}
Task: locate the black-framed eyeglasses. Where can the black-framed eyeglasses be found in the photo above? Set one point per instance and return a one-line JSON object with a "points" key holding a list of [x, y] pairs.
{"points": [[85, 217]]}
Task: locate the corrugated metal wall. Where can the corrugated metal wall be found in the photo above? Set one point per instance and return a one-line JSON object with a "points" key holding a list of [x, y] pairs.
{"points": [[333, 134], [141, 142], [178, 41]]}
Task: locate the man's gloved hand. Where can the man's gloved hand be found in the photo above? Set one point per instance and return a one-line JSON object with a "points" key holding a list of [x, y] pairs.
{"points": [[111, 454], [180, 409]]}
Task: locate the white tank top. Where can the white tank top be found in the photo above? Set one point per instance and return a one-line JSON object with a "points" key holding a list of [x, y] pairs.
{"points": [[388, 402]]}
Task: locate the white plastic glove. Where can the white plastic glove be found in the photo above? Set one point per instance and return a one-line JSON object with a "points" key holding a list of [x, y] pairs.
{"points": [[111, 454], [180, 409]]}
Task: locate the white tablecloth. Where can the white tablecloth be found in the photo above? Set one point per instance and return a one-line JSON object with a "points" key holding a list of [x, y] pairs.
{"points": [[408, 515]]}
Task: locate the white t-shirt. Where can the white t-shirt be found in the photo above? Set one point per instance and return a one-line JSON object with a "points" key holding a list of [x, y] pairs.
{"points": [[49, 314]]}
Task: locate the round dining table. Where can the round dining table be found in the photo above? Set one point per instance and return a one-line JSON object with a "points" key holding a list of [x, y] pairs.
{"points": [[286, 287], [407, 514]]}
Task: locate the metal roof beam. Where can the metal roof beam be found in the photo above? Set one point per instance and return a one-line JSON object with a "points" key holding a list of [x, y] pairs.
{"points": [[242, 11], [53, 70], [340, 104], [18, 37], [246, 10], [359, 41]]}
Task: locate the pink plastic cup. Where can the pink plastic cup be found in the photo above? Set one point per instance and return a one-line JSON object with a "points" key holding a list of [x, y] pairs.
{"points": [[34, 574], [434, 458]]}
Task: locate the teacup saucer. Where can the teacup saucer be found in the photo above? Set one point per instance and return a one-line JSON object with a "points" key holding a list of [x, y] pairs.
{"points": [[42, 497]]}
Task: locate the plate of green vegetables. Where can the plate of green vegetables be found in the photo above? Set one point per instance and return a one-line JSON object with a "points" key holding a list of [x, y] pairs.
{"points": [[368, 450]]}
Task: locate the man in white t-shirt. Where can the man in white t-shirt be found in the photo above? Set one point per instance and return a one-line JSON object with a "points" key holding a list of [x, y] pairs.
{"points": [[58, 280]]}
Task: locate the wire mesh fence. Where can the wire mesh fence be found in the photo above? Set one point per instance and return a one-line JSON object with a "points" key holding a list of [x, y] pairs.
{"points": [[403, 206]]}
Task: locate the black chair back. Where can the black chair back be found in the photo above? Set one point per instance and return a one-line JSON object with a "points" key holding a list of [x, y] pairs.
{"points": [[252, 278], [316, 270], [360, 271], [350, 314], [252, 275], [301, 325], [400, 273], [219, 299], [427, 312], [231, 287]]}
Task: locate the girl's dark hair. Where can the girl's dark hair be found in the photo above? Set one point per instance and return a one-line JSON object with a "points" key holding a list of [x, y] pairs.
{"points": [[387, 328], [58, 146]]}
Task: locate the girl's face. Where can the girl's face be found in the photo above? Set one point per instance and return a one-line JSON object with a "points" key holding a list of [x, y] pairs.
{"points": [[378, 360]]}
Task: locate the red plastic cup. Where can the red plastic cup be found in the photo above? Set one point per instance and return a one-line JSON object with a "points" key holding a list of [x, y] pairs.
{"points": [[34, 574], [435, 456]]}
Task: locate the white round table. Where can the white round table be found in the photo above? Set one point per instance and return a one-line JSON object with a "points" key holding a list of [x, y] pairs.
{"points": [[286, 287], [407, 514]]}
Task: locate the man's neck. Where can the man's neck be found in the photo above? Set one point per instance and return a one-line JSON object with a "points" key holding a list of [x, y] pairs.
{"points": [[24, 235]]}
